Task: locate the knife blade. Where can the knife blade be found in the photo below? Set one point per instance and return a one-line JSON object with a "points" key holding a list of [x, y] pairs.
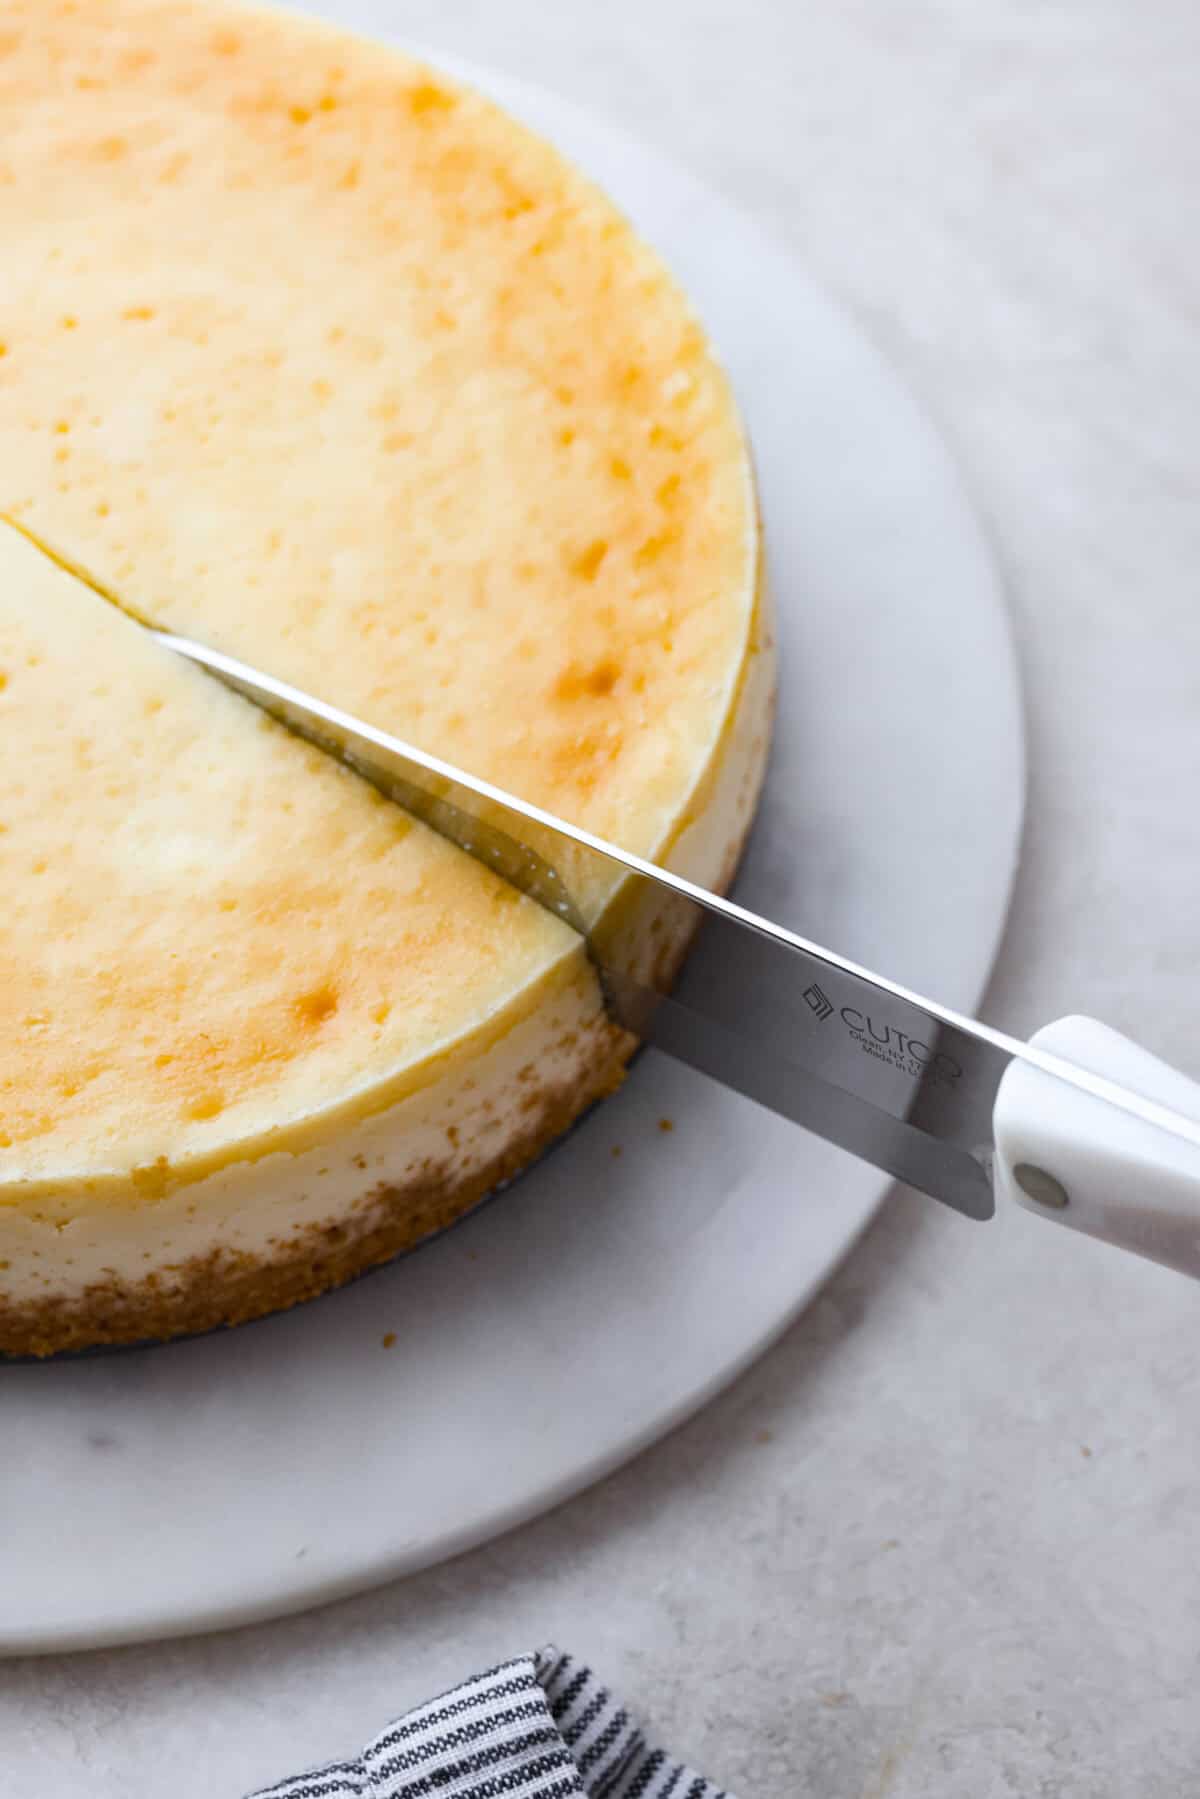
{"points": [[899, 1080]]}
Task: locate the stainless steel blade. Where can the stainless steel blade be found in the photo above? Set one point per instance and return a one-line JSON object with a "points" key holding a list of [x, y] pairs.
{"points": [[900, 1081]]}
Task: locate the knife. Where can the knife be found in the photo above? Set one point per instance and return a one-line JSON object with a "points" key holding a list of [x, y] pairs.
{"points": [[1079, 1124]]}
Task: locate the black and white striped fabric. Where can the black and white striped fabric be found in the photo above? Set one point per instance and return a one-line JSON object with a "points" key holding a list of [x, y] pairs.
{"points": [[539, 1727]]}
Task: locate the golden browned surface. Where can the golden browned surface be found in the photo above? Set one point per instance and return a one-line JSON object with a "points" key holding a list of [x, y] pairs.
{"points": [[317, 356], [210, 930]]}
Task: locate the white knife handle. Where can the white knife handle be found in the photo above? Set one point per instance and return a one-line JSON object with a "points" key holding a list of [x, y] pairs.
{"points": [[1126, 1181]]}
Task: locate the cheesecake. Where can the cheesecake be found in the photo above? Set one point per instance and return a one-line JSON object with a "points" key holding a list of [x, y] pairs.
{"points": [[314, 354]]}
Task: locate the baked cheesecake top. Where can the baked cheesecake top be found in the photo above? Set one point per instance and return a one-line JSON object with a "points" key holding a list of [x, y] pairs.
{"points": [[316, 355]]}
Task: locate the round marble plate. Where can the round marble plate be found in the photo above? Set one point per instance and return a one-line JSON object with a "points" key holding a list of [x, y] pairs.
{"points": [[637, 1269]]}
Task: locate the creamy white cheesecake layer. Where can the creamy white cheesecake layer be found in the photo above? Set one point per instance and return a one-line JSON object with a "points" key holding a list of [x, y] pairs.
{"points": [[431, 1142]]}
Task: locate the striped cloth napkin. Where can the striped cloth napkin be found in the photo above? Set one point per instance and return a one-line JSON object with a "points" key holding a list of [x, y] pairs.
{"points": [[539, 1727]]}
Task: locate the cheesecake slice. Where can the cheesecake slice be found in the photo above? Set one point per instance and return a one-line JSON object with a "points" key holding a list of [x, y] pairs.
{"points": [[252, 1014], [318, 356]]}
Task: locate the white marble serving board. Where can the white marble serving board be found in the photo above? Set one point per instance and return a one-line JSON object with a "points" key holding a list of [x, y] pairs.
{"points": [[601, 1299]]}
